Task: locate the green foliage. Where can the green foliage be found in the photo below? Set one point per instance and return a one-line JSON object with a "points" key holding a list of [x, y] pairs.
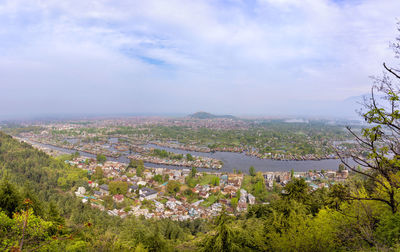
{"points": [[166, 154], [231, 235], [234, 203], [37, 175], [388, 230], [173, 187], [139, 170], [297, 189], [191, 182], [189, 157], [193, 172], [268, 138], [101, 158], [25, 231], [10, 199], [118, 187], [215, 181], [133, 163], [158, 178], [252, 171], [98, 174]]}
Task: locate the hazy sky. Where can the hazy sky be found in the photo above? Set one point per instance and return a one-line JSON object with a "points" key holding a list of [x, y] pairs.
{"points": [[265, 57]]}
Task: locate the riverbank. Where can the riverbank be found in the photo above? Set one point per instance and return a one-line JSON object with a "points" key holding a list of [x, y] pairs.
{"points": [[235, 161]]}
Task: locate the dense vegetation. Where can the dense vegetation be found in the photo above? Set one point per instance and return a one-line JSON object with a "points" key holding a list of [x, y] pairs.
{"points": [[298, 219], [205, 115], [35, 190], [267, 137]]}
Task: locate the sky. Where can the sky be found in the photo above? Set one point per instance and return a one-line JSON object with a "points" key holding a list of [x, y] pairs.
{"points": [[240, 57]]}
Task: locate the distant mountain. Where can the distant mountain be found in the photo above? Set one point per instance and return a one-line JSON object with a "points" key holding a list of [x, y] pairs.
{"points": [[205, 115]]}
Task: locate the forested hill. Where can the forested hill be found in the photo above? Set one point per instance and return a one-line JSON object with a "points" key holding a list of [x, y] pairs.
{"points": [[37, 188], [205, 115], [40, 213]]}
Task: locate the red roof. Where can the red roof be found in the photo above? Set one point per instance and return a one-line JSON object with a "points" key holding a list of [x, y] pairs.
{"points": [[119, 197]]}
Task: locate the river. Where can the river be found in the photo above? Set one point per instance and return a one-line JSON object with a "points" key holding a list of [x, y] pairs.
{"points": [[232, 161]]}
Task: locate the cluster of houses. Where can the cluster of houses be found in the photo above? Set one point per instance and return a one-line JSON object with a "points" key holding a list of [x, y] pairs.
{"points": [[162, 205], [315, 179], [150, 199], [199, 162]]}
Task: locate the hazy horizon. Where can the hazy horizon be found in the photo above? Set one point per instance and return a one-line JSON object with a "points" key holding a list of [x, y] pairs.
{"points": [[258, 58]]}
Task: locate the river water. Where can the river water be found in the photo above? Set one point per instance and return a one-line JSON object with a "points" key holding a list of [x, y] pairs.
{"points": [[232, 161], [241, 161]]}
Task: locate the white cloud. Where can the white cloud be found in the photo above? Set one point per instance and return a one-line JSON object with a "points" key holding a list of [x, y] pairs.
{"points": [[171, 51]]}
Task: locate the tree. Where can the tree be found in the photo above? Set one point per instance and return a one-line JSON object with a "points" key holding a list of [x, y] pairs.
{"points": [[223, 238], [166, 177], [140, 248], [118, 187], [189, 157], [341, 167], [133, 163], [215, 181], [158, 178], [139, 170], [76, 154], [259, 187], [98, 174], [378, 152], [101, 158], [234, 203], [10, 199], [297, 189], [173, 186], [193, 172]]}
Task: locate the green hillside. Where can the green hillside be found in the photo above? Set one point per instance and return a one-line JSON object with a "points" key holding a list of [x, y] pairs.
{"points": [[36, 192], [205, 115]]}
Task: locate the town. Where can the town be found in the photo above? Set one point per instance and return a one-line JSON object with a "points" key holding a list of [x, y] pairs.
{"points": [[258, 138], [133, 189]]}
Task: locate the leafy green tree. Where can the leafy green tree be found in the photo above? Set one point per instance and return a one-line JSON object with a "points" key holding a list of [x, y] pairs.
{"points": [[234, 203], [166, 177], [118, 187], [108, 202], [259, 187], [378, 144], [388, 230], [297, 189], [101, 158], [189, 157], [252, 171], [215, 181], [35, 203], [133, 163], [158, 178], [76, 154], [98, 174], [193, 172], [223, 237], [54, 216], [10, 199], [140, 248], [139, 170], [173, 186]]}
